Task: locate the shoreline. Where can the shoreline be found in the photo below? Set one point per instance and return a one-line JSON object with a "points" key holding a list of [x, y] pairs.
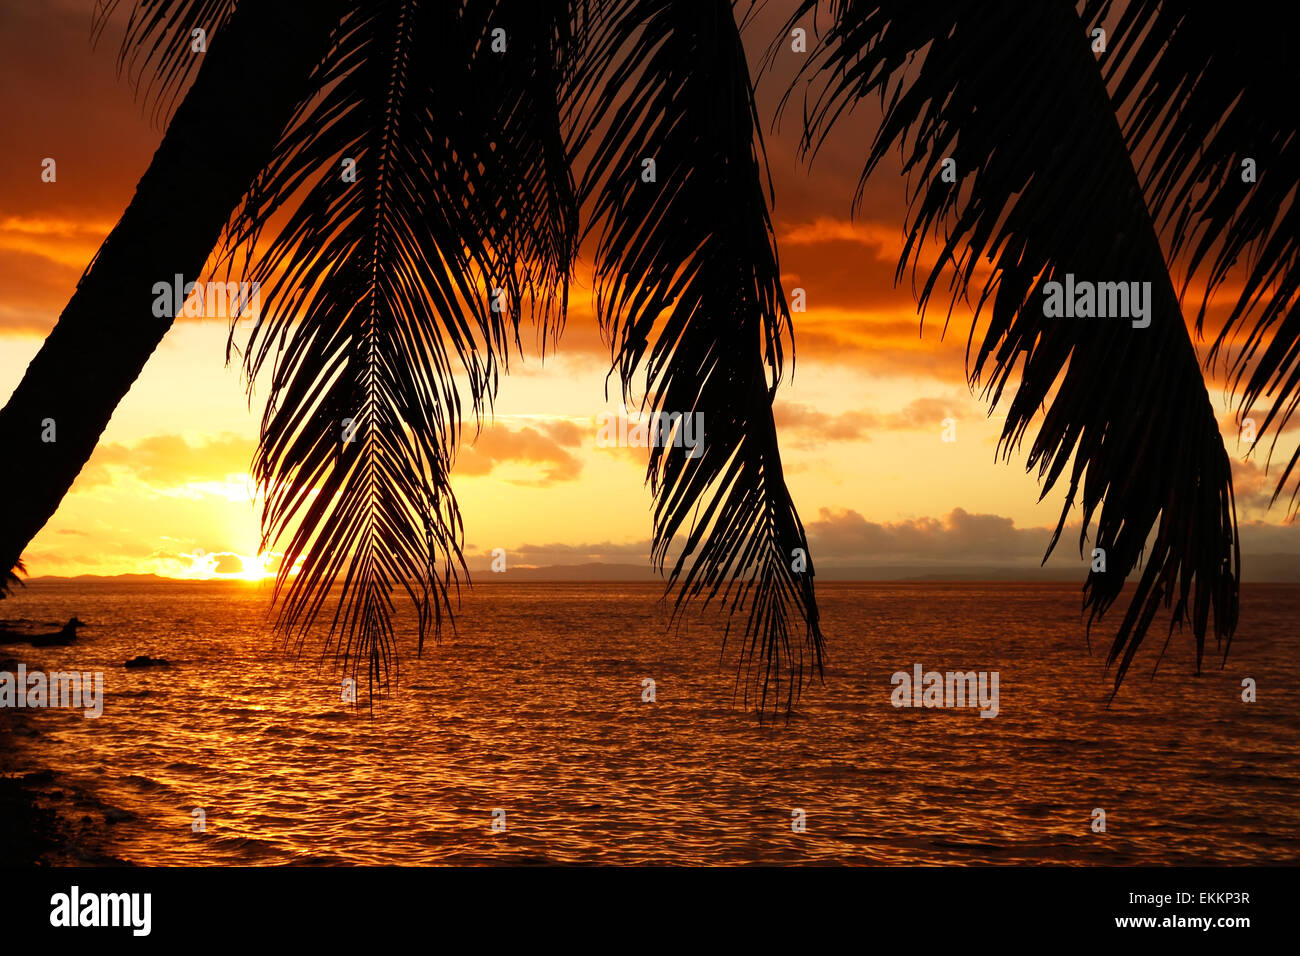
{"points": [[47, 821]]}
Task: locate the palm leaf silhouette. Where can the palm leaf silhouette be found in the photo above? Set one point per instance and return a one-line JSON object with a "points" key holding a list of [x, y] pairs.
{"points": [[1205, 93], [11, 579], [157, 53], [387, 288], [1047, 186], [689, 292]]}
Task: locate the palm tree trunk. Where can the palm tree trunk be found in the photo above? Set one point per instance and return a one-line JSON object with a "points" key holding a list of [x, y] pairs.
{"points": [[243, 96]]}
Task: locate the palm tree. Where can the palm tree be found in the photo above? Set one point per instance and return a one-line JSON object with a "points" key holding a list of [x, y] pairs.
{"points": [[483, 130], [244, 96], [462, 120]]}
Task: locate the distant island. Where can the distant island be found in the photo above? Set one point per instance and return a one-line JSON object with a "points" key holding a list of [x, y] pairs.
{"points": [[1259, 569]]}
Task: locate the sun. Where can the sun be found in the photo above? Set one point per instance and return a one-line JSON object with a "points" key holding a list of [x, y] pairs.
{"points": [[256, 568]]}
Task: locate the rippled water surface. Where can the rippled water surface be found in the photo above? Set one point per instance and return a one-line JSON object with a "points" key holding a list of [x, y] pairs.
{"points": [[535, 707]]}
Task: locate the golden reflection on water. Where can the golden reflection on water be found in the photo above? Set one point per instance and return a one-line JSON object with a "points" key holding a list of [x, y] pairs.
{"points": [[535, 709]]}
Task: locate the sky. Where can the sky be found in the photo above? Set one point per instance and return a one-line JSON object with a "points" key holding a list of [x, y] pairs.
{"points": [[861, 420]]}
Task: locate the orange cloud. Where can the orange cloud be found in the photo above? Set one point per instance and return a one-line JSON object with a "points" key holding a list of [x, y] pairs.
{"points": [[543, 445], [169, 460], [960, 535], [810, 426]]}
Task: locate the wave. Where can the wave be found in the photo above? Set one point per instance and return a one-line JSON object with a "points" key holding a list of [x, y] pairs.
{"points": [[146, 783]]}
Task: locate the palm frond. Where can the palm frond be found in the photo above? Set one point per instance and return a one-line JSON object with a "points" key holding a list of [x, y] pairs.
{"points": [[1046, 187], [689, 292], [11, 579], [1206, 92], [385, 291], [157, 51]]}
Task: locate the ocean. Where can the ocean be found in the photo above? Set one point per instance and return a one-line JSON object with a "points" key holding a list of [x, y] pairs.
{"points": [[524, 737]]}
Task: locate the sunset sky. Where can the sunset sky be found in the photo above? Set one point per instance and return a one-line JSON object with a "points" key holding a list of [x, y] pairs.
{"points": [[861, 418]]}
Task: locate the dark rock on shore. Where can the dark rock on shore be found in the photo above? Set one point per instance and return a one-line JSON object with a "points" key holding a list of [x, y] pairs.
{"points": [[31, 831]]}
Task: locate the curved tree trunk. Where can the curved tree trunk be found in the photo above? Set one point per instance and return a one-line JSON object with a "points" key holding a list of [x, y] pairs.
{"points": [[242, 98]]}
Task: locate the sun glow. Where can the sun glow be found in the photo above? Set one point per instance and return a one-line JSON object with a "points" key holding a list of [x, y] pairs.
{"points": [[226, 566], [256, 568]]}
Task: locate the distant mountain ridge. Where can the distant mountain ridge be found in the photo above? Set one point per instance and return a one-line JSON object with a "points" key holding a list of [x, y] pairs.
{"points": [[100, 577], [1258, 569]]}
